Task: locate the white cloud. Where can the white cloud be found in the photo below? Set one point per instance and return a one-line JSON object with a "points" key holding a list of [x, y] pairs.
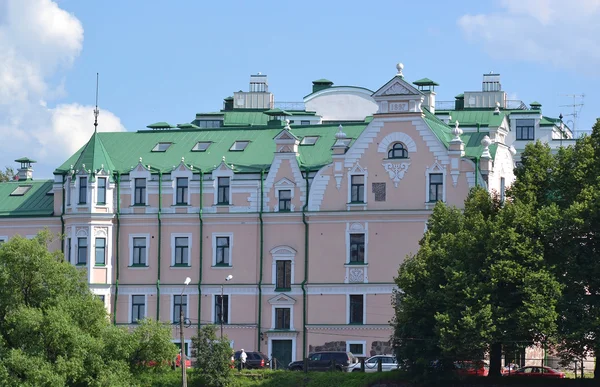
{"points": [[39, 41], [557, 32]]}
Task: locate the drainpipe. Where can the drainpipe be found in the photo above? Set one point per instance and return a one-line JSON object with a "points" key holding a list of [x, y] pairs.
{"points": [[118, 182], [305, 281], [62, 220], [476, 171], [159, 244], [201, 244], [261, 255]]}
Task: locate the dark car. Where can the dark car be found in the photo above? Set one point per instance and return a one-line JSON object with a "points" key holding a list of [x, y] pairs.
{"points": [[324, 361], [254, 360]]}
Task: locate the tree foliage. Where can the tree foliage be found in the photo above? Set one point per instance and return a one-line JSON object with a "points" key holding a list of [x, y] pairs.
{"points": [[54, 331], [7, 174], [477, 282], [213, 357]]}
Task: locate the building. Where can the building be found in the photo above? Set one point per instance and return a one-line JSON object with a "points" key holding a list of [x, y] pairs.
{"points": [[311, 209]]}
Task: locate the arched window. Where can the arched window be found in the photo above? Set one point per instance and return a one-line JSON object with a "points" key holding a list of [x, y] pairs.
{"points": [[398, 151]]}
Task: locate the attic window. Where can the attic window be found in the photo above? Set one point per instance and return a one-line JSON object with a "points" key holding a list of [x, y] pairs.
{"points": [[201, 146], [161, 147], [309, 140], [21, 190], [239, 146]]}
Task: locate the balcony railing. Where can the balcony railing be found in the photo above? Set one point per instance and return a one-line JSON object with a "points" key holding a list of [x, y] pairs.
{"points": [[290, 105], [510, 104]]}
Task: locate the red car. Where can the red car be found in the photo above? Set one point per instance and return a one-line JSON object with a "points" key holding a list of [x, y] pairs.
{"points": [[537, 372], [471, 368]]}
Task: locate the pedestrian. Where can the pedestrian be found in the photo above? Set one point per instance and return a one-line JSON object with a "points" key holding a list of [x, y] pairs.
{"points": [[243, 357]]}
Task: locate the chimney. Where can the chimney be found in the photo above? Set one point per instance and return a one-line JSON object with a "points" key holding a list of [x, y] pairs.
{"points": [[427, 87], [25, 172], [321, 84]]}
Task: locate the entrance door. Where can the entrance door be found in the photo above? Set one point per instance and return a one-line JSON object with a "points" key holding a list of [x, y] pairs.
{"points": [[282, 351]]}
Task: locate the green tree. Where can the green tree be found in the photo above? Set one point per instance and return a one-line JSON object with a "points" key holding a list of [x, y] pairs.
{"points": [[7, 175], [213, 357], [477, 282], [152, 345]]}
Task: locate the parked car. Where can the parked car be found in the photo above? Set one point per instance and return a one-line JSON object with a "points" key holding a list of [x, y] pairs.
{"points": [[388, 363], [323, 361], [254, 360], [188, 362], [471, 368], [537, 372]]}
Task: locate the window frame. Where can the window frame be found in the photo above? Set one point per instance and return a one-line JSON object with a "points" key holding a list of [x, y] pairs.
{"points": [[358, 244], [183, 249], [287, 202], [103, 251], [355, 196], [132, 249], [182, 192], [160, 145], [309, 140], [235, 143], [357, 342], [520, 130], [285, 262], [198, 147], [350, 309], [403, 149], [226, 308], [139, 193], [283, 309], [218, 248], [101, 189], [439, 188], [223, 190], [174, 305], [69, 249], [83, 188], [133, 304], [85, 248]]}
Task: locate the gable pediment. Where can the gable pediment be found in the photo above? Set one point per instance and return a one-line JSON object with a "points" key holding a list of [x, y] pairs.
{"points": [[285, 182], [285, 135], [282, 299], [397, 86]]}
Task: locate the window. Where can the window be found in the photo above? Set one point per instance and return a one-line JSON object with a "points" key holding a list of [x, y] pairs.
{"points": [[140, 192], [181, 251], [223, 190], [357, 248], [182, 190], [68, 191], [303, 122], [101, 194], [82, 190], [138, 308], [179, 305], [282, 318], [284, 275], [161, 147], [285, 200], [223, 251], [526, 129], [239, 146], [356, 309], [201, 146], [101, 297], [20, 190], [398, 151], [68, 258], [210, 123], [357, 187], [357, 348], [139, 252], [81, 251], [436, 186], [222, 309], [100, 251], [309, 140]]}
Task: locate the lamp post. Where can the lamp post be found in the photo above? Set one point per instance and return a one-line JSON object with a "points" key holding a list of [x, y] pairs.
{"points": [[183, 362], [221, 314]]}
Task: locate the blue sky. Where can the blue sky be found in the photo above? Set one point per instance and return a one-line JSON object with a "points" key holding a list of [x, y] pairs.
{"points": [[165, 61]]}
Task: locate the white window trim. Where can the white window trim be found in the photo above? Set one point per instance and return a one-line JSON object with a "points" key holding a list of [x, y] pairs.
{"points": [[364, 307], [213, 316], [222, 171], [214, 249], [147, 236], [88, 251], [88, 190], [96, 189], [435, 169], [289, 306], [284, 185], [282, 253], [130, 316], [356, 171], [187, 307], [190, 244], [270, 346], [177, 172], [188, 353], [357, 228], [363, 343], [68, 257], [139, 173], [106, 250], [68, 191]]}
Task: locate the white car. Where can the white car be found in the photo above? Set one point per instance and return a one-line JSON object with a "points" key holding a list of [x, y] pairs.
{"points": [[388, 363]]}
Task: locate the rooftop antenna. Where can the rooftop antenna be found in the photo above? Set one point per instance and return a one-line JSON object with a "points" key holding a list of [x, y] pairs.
{"points": [[96, 111], [577, 105]]}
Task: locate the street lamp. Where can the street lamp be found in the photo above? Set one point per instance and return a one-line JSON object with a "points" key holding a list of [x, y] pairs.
{"points": [[221, 314], [183, 362]]}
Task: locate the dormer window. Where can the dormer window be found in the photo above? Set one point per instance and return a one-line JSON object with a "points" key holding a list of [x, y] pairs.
{"points": [[21, 190], [309, 140], [239, 146], [162, 147], [398, 151], [201, 146]]}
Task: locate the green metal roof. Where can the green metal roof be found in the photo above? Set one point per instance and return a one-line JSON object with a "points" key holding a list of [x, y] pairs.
{"points": [[125, 148], [160, 125], [25, 160], [94, 156], [472, 117], [35, 202], [323, 80], [425, 82], [276, 112], [187, 126]]}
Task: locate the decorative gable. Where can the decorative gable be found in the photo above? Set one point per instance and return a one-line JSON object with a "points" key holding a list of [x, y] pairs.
{"points": [[285, 141], [285, 183], [398, 96], [282, 299]]}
